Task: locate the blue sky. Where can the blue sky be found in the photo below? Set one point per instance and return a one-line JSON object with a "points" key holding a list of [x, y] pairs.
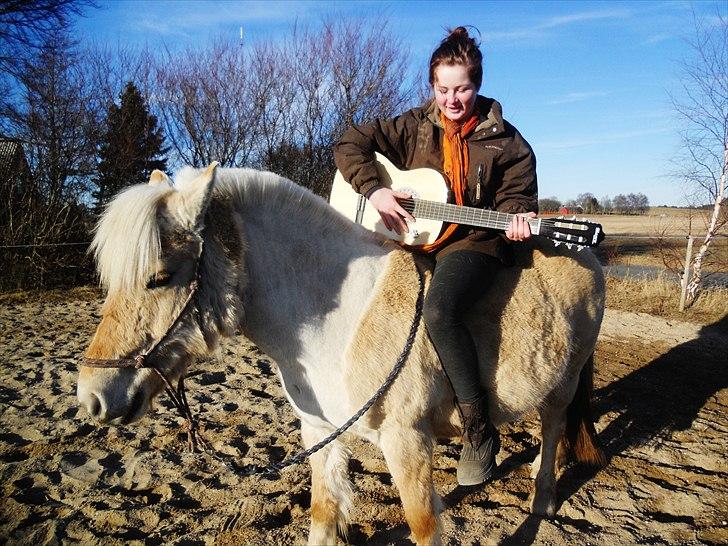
{"points": [[587, 83]]}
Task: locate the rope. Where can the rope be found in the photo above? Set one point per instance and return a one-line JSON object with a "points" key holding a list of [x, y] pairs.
{"points": [[276, 468]]}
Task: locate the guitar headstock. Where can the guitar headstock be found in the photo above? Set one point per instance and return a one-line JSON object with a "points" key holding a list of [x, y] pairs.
{"points": [[572, 232]]}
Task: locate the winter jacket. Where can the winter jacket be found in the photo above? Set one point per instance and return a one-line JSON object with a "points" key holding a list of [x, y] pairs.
{"points": [[501, 175]]}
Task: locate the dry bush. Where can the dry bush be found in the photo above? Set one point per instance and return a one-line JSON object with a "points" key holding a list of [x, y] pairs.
{"points": [[662, 296]]}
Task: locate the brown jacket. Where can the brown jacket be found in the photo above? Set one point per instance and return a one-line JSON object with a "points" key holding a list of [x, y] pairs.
{"points": [[502, 172]]}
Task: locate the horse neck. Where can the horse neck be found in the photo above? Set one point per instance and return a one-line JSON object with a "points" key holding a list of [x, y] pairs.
{"points": [[309, 275]]}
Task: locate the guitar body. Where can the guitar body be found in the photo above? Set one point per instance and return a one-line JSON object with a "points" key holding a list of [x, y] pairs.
{"points": [[426, 184]]}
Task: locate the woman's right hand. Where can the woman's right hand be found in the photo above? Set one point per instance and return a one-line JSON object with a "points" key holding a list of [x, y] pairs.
{"points": [[393, 215]]}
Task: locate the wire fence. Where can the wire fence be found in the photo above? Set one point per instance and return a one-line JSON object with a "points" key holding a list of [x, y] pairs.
{"points": [[43, 245]]}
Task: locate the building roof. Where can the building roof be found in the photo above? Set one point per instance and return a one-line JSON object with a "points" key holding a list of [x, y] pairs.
{"points": [[12, 159]]}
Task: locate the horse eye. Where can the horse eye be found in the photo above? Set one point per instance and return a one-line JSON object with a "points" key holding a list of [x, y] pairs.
{"points": [[158, 280]]}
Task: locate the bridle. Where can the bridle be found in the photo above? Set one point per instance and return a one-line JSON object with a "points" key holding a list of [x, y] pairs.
{"points": [[146, 359]]}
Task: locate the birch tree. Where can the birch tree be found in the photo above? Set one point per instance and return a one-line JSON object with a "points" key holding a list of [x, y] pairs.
{"points": [[703, 107]]}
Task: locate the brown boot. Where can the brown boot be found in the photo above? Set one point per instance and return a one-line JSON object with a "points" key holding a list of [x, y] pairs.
{"points": [[481, 443]]}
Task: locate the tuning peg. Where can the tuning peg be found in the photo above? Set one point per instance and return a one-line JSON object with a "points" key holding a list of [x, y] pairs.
{"points": [[579, 248], [569, 245], [557, 243]]}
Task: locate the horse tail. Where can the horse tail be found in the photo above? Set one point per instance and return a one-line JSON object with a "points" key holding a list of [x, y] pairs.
{"points": [[580, 436]]}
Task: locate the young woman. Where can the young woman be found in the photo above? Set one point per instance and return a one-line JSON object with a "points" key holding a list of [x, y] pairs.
{"points": [[487, 164]]}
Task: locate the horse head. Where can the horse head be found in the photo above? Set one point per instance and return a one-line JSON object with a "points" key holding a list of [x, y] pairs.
{"points": [[160, 305]]}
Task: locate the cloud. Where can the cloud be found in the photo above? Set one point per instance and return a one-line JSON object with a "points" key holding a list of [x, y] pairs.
{"points": [[657, 38], [562, 20], [539, 30], [578, 97], [179, 18], [599, 140]]}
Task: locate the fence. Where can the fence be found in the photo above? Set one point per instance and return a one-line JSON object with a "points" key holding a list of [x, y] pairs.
{"points": [[42, 266]]}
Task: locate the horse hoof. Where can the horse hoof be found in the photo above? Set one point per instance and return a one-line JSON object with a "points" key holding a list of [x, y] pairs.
{"points": [[544, 506]]}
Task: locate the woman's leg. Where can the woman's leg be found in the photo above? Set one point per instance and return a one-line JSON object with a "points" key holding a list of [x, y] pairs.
{"points": [[459, 279]]}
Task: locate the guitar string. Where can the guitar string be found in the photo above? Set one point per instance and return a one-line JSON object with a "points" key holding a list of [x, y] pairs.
{"points": [[469, 215]]}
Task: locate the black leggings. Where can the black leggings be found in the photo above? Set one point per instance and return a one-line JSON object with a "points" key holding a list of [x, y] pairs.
{"points": [[459, 279]]}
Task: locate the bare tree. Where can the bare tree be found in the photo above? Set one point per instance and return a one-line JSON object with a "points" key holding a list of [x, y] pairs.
{"points": [[206, 104], [348, 72], [56, 120], [368, 64], [26, 25], [703, 108], [273, 91]]}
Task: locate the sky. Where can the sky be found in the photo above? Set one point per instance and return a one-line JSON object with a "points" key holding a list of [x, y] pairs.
{"points": [[588, 84]]}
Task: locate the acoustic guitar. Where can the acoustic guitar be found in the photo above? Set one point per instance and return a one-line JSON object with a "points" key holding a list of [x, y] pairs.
{"points": [[430, 208]]}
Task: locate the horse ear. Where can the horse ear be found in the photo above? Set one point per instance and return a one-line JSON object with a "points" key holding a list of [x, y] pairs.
{"points": [[158, 177], [201, 191]]}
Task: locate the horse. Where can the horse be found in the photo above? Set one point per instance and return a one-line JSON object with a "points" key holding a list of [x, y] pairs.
{"points": [[332, 304]]}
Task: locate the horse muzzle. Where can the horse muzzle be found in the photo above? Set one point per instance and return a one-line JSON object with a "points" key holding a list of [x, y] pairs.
{"points": [[116, 397]]}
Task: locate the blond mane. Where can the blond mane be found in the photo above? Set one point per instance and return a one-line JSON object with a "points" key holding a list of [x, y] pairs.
{"points": [[267, 191], [126, 242], [127, 245]]}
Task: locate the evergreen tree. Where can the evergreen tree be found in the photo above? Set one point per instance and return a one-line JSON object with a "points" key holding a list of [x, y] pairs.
{"points": [[131, 148]]}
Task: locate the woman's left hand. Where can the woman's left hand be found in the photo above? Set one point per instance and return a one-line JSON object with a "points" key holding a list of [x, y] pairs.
{"points": [[519, 230]]}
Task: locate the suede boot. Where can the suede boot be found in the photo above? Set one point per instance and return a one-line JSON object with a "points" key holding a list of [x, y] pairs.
{"points": [[481, 443]]}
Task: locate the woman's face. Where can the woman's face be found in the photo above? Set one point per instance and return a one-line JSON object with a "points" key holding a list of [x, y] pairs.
{"points": [[455, 94]]}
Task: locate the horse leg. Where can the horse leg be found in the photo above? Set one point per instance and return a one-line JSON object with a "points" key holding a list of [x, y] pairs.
{"points": [[553, 421], [408, 453], [561, 461], [331, 490]]}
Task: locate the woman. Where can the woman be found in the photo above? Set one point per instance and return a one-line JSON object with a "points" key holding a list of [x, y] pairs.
{"points": [[487, 164]]}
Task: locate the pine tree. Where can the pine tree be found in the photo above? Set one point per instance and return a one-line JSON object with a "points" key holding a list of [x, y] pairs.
{"points": [[131, 148]]}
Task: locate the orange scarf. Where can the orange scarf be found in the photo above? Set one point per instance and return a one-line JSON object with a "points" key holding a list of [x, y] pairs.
{"points": [[456, 160]]}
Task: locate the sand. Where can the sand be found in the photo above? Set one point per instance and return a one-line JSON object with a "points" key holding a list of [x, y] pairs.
{"points": [[660, 400]]}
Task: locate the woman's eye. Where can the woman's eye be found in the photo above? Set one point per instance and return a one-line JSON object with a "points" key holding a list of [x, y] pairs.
{"points": [[160, 279]]}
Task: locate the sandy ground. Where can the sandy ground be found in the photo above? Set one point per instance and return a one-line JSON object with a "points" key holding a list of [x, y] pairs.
{"points": [[660, 398]]}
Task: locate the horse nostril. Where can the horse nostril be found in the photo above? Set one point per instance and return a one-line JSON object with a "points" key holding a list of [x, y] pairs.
{"points": [[94, 406]]}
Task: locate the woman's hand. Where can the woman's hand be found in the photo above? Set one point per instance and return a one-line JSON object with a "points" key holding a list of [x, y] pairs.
{"points": [[392, 213], [519, 230]]}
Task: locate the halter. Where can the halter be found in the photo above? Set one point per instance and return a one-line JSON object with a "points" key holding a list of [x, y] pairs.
{"points": [[146, 360]]}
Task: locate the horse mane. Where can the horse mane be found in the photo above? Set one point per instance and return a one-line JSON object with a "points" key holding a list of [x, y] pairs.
{"points": [[127, 244], [267, 191]]}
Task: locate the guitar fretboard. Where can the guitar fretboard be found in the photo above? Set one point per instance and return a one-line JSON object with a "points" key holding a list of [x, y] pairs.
{"points": [[456, 214]]}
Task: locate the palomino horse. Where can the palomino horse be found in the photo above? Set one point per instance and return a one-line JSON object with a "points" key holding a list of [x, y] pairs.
{"points": [[332, 304]]}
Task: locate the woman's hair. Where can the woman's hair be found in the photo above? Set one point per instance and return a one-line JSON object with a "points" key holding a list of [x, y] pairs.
{"points": [[459, 48]]}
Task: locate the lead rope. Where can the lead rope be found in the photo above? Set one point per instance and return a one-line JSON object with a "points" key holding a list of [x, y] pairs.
{"points": [[274, 469]]}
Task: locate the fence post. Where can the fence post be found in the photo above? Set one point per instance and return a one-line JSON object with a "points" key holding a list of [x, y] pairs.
{"points": [[686, 272]]}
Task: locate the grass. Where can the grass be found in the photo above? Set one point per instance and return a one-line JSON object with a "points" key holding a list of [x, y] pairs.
{"points": [[662, 298]]}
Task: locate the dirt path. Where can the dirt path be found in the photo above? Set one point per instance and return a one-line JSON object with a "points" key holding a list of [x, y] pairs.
{"points": [[660, 397]]}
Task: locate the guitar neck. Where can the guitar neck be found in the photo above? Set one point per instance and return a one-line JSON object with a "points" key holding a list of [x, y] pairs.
{"points": [[457, 214]]}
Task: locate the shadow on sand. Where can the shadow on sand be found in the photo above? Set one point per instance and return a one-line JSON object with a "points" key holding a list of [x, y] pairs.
{"points": [[661, 397]]}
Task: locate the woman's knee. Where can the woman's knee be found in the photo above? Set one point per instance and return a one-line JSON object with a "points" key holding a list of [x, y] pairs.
{"points": [[438, 314]]}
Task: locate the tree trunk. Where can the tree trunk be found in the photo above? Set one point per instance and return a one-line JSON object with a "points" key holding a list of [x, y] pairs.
{"points": [[695, 281]]}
